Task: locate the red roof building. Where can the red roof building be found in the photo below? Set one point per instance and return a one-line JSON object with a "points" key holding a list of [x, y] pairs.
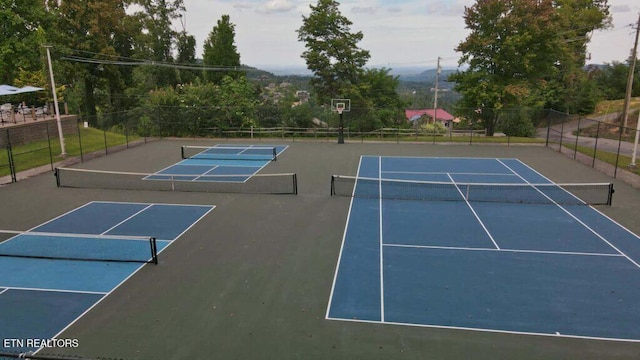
{"points": [[442, 115]]}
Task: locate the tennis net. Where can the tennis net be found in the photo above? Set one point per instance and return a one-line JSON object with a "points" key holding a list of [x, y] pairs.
{"points": [[561, 194], [253, 153], [227, 183], [80, 247]]}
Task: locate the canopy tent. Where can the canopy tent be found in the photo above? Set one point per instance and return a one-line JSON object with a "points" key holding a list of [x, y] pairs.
{"points": [[12, 90]]}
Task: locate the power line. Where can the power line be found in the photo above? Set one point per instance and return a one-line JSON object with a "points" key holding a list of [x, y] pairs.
{"points": [[156, 63]]}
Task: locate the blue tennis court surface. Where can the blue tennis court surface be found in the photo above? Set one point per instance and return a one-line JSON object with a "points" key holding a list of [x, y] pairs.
{"points": [[41, 297], [544, 269], [222, 162]]}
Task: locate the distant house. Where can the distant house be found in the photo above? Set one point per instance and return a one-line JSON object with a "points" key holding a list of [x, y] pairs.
{"points": [[427, 116]]}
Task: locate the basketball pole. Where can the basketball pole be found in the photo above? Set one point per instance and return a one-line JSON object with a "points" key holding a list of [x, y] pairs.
{"points": [[341, 129]]}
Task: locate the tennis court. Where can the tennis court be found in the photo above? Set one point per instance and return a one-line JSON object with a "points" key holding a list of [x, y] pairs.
{"points": [[252, 278], [219, 168], [483, 253], [54, 273], [222, 162]]}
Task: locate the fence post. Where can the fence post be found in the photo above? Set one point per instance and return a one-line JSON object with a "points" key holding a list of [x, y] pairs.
{"points": [[106, 147], [575, 150], [80, 140], [546, 144], [49, 142], [561, 136], [126, 133], [595, 147], [12, 164], [615, 171]]}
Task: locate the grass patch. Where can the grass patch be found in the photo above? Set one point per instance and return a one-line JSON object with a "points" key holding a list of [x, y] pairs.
{"points": [[611, 106], [607, 157], [35, 154]]}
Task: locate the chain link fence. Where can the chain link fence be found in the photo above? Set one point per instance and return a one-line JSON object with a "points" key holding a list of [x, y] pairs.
{"points": [[36, 144], [600, 143]]}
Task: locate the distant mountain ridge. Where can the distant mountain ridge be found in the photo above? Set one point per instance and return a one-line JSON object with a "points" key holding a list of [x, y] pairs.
{"points": [[428, 75]]}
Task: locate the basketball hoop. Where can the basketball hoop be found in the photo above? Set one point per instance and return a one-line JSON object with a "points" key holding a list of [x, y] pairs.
{"points": [[340, 105]]}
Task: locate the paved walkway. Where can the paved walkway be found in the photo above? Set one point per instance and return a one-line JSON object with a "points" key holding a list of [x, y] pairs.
{"points": [[565, 133]]}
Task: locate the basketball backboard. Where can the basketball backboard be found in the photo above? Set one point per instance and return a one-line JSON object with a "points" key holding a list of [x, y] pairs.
{"points": [[340, 105]]}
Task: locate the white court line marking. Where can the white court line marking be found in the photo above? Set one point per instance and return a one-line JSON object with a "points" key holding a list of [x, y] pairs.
{"points": [[381, 241], [474, 213], [246, 176], [578, 220], [488, 330], [3, 291], [344, 237], [435, 157], [445, 173], [141, 203], [125, 220], [550, 252], [206, 172]]}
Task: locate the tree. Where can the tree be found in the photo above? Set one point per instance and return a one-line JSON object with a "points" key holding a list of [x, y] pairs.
{"points": [[612, 80], [522, 53], [573, 88], [332, 51], [511, 44], [220, 51], [22, 35], [157, 37], [90, 29], [186, 45]]}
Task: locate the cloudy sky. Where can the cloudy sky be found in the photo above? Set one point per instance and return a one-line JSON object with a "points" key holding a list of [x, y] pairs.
{"points": [[398, 33]]}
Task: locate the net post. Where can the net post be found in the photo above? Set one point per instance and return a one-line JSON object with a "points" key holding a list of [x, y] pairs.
{"points": [[275, 155], [610, 197], [295, 184], [333, 185], [56, 173], [182, 152], [154, 250]]}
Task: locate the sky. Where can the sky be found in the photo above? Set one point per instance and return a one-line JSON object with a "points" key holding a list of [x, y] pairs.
{"points": [[398, 33]]}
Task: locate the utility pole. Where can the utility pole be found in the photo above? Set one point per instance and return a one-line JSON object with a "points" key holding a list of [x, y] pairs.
{"points": [[435, 98], [627, 98], [63, 152]]}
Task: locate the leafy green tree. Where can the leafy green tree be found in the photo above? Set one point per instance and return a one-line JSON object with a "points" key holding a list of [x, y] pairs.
{"points": [[21, 31], [572, 87], [612, 80], [90, 29], [522, 53], [506, 51], [332, 51], [157, 38], [237, 103], [220, 51], [186, 45], [380, 89]]}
